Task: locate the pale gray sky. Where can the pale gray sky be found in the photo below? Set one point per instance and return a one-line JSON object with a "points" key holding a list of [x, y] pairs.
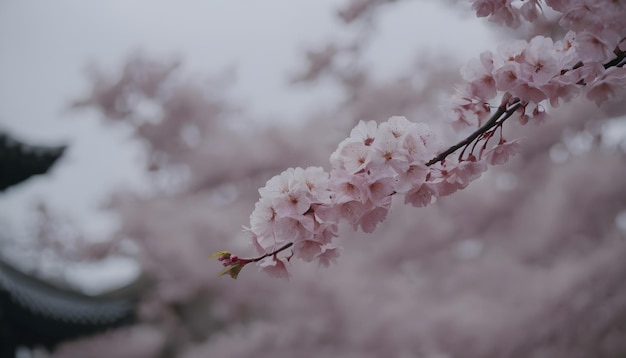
{"points": [[45, 45]]}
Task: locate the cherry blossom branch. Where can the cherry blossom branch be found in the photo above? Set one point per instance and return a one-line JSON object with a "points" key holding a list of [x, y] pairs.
{"points": [[492, 122], [302, 208], [233, 264], [618, 61], [282, 248]]}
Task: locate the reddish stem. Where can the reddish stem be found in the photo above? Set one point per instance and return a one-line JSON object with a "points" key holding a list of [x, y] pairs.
{"points": [[492, 122], [256, 259]]}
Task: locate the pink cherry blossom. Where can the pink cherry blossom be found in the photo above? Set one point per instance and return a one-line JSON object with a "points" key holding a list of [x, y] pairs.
{"points": [[350, 211], [465, 111], [364, 132], [596, 47], [263, 218], [307, 250], [294, 202], [379, 188], [274, 267], [351, 155], [388, 154], [447, 179], [541, 60], [328, 255], [314, 180], [530, 9], [500, 11], [371, 218], [420, 144], [481, 83], [278, 185], [421, 195], [397, 126], [609, 84], [292, 228], [415, 175], [347, 187], [501, 153]]}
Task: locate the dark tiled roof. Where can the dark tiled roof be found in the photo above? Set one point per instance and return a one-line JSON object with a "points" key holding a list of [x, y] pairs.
{"points": [[34, 312], [19, 161], [46, 300]]}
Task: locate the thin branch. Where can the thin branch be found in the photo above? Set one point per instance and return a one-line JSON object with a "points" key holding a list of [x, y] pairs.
{"points": [[282, 248], [493, 121], [616, 61]]}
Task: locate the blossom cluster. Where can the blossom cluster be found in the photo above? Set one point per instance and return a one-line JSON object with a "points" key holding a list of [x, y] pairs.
{"points": [[301, 209], [587, 60], [577, 14]]}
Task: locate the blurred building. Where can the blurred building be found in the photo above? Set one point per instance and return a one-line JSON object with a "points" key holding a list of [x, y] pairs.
{"points": [[33, 311]]}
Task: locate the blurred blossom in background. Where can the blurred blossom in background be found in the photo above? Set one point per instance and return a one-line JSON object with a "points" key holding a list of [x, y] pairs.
{"points": [[174, 114]]}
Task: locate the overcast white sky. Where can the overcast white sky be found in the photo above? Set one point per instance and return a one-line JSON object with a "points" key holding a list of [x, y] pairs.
{"points": [[45, 46]]}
